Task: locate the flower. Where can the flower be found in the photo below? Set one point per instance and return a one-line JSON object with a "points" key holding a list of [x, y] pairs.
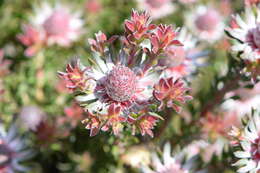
{"points": [[145, 123], [215, 128], [170, 163], [59, 23], [32, 38], [117, 90], [138, 26], [249, 155], [92, 122], [246, 32], [162, 38], [206, 23], [30, 117], [114, 119], [93, 6], [246, 35], [53, 25], [75, 77], [98, 44], [156, 8], [12, 151], [170, 92]]}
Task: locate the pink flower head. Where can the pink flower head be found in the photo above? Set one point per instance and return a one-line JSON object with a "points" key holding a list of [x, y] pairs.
{"points": [[92, 123], [93, 6], [170, 92], [100, 44], [162, 38], [146, 123], [59, 25], [122, 85], [114, 119], [138, 26], [32, 38], [75, 77], [156, 8], [218, 125], [62, 27], [206, 23]]}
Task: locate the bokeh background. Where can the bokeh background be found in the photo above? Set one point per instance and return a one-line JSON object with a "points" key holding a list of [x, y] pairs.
{"points": [[31, 88]]}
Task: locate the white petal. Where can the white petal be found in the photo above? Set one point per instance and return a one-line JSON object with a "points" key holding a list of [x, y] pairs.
{"points": [[242, 154]]}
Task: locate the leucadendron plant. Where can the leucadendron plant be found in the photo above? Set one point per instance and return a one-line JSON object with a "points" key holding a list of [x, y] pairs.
{"points": [[128, 89]]}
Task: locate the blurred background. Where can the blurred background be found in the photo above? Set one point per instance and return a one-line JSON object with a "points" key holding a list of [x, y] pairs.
{"points": [[42, 122]]}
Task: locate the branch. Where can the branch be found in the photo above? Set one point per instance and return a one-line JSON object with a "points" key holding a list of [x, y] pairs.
{"points": [[219, 95]]}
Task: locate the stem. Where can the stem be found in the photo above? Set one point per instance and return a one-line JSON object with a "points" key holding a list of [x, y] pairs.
{"points": [[39, 62], [219, 95], [167, 120]]}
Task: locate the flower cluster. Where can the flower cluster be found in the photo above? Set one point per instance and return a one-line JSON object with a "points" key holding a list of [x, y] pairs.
{"points": [[54, 25], [127, 89], [169, 90], [245, 33], [249, 142]]}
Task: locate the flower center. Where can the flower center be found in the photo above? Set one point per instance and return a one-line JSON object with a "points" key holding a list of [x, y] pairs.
{"points": [[208, 21], [57, 23], [120, 83]]}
